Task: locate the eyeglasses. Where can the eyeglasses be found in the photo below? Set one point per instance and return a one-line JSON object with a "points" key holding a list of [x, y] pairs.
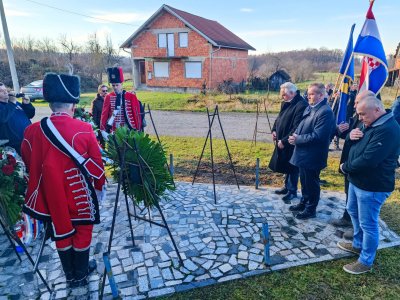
{"points": [[104, 91]]}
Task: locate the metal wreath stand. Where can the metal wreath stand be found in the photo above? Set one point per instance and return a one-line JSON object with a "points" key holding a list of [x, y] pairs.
{"points": [[122, 182], [211, 118]]}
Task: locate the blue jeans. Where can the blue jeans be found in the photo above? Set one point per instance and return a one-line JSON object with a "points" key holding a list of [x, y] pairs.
{"points": [[363, 208]]}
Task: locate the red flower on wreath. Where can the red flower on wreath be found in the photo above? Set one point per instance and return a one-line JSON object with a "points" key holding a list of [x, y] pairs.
{"points": [[8, 169], [11, 160]]}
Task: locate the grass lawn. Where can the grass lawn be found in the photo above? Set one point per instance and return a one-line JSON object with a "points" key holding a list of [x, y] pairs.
{"points": [[245, 102], [319, 281]]}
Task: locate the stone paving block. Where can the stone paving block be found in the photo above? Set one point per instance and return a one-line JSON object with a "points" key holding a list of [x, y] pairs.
{"points": [[217, 243]]}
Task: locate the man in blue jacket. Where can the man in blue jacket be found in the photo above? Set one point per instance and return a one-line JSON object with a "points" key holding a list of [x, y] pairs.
{"points": [[370, 169], [311, 140], [14, 118]]}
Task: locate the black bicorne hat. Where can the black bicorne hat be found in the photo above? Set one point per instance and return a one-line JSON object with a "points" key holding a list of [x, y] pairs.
{"points": [[61, 88], [115, 75]]}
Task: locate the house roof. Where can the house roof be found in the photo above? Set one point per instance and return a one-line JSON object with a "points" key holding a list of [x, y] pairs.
{"points": [[212, 31], [281, 73]]}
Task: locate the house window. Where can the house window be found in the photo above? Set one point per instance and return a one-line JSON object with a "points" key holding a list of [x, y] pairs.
{"points": [[193, 69], [161, 69], [162, 40], [183, 39]]}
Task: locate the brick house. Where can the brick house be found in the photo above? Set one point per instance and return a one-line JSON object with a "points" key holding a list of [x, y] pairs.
{"points": [[177, 50]]}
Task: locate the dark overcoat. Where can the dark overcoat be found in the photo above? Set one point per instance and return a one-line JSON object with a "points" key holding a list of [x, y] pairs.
{"points": [[314, 136], [285, 124]]}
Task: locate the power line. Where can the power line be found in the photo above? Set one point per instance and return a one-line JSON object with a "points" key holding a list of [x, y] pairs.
{"points": [[79, 14]]}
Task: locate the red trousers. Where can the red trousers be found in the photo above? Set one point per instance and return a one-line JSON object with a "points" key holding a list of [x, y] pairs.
{"points": [[80, 241]]}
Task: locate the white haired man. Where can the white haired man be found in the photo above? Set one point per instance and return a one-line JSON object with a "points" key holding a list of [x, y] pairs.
{"points": [[370, 169], [289, 117]]}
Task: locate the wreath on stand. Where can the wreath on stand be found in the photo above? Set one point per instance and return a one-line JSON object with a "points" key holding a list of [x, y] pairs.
{"points": [[146, 176], [12, 185]]}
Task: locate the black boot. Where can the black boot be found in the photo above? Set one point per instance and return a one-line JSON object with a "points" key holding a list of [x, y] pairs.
{"points": [[66, 258], [82, 267]]}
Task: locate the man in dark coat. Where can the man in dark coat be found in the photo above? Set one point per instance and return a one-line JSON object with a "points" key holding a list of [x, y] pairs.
{"points": [[14, 118], [311, 140], [289, 117], [370, 168], [343, 131], [97, 104]]}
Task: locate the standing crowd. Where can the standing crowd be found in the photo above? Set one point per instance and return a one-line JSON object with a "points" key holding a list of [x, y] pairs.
{"points": [[66, 173], [302, 134]]}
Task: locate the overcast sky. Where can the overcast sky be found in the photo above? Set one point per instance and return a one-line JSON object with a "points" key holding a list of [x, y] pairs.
{"points": [[267, 25]]}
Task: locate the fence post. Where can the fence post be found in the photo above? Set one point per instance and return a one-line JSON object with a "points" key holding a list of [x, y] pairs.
{"points": [[171, 164], [257, 172]]}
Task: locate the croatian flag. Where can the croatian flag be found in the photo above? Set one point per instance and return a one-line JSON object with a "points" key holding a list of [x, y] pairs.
{"points": [[374, 70]]}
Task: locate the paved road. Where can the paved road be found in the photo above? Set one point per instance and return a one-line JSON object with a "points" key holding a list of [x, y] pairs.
{"points": [[239, 126]]}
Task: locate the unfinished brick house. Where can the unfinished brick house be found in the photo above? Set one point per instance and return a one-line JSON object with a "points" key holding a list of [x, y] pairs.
{"points": [[176, 50]]}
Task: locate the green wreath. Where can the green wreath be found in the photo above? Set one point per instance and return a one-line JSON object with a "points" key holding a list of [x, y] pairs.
{"points": [[146, 176], [12, 186]]}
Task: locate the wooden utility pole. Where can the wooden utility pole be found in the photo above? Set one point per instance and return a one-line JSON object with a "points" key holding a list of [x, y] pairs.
{"points": [[10, 52]]}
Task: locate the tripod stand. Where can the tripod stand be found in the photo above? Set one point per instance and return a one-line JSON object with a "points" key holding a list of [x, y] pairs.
{"points": [[122, 181], [12, 236], [155, 130], [211, 118], [256, 131]]}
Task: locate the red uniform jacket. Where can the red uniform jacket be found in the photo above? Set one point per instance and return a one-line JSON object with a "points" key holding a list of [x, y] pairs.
{"points": [[57, 191], [132, 106]]}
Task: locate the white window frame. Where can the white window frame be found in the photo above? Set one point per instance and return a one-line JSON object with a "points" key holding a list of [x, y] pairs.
{"points": [[164, 35], [161, 73], [181, 45], [190, 73]]}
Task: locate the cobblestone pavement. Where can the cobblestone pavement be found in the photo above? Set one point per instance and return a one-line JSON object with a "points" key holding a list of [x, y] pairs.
{"points": [[217, 242]]}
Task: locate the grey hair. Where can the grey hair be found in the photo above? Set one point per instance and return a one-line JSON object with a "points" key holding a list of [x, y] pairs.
{"points": [[290, 87], [370, 100], [60, 106]]}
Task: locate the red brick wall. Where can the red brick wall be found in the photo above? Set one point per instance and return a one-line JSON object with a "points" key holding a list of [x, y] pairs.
{"points": [[227, 63]]}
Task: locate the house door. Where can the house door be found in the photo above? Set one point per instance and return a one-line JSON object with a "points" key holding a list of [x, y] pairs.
{"points": [[142, 70], [170, 44]]}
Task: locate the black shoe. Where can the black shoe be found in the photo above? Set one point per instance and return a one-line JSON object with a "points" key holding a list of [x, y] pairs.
{"points": [[282, 191], [305, 214], [288, 197], [79, 283], [297, 207], [342, 222]]}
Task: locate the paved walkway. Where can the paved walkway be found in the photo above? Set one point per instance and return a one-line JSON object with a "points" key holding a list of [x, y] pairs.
{"points": [[217, 242], [237, 126]]}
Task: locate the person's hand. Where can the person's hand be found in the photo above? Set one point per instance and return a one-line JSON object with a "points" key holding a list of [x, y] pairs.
{"points": [[26, 100], [280, 145], [292, 139], [356, 134], [343, 127], [274, 135]]}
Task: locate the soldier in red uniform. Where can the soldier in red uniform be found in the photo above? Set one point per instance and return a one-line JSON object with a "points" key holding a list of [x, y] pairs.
{"points": [[120, 108], [66, 175]]}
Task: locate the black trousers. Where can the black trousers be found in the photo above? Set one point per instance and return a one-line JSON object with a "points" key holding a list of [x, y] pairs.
{"points": [[346, 215], [310, 188], [291, 180]]}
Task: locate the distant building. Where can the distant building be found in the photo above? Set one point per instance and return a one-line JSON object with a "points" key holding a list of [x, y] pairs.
{"points": [[277, 79], [177, 50], [394, 72]]}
